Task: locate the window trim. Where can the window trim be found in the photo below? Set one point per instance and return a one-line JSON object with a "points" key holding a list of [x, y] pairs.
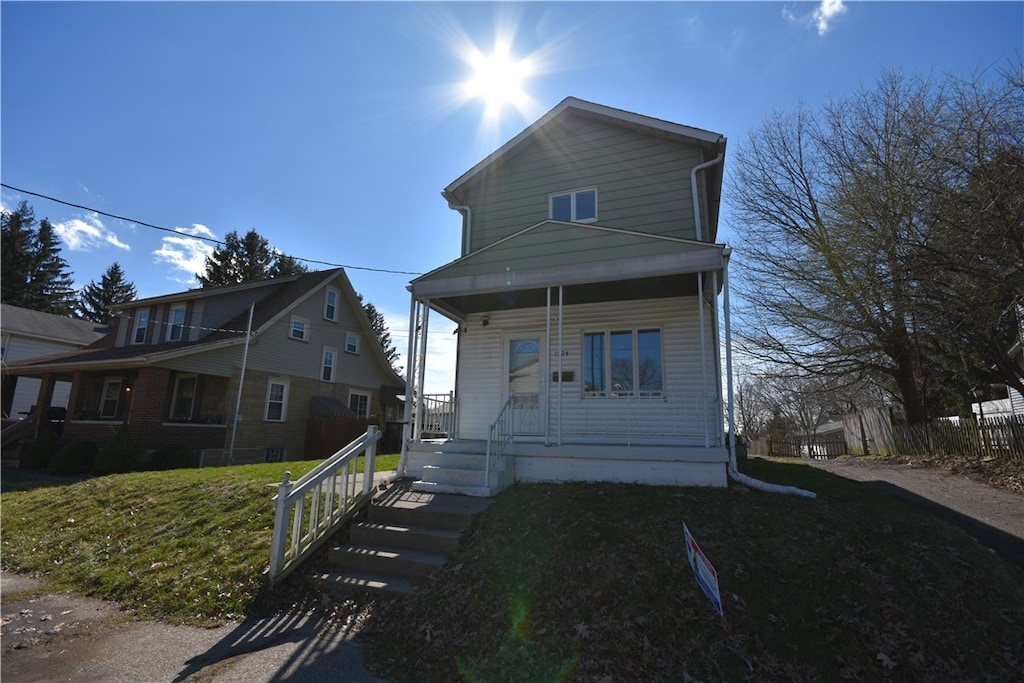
{"points": [[354, 337], [284, 399], [304, 337], [337, 301], [363, 394], [176, 327], [572, 194], [174, 395], [332, 366], [109, 381], [606, 369], [141, 325]]}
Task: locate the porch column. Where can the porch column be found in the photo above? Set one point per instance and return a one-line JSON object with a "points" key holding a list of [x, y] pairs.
{"points": [[43, 399], [703, 356], [410, 363], [424, 324], [720, 404], [728, 355], [547, 369]]}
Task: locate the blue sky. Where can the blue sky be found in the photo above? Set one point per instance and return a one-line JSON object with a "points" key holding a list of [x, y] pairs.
{"points": [[331, 127]]}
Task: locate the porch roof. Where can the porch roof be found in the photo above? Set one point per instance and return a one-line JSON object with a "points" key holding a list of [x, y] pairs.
{"points": [[604, 264]]}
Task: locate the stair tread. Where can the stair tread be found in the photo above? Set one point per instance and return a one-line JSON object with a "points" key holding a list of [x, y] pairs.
{"points": [[421, 556], [410, 529], [373, 582]]}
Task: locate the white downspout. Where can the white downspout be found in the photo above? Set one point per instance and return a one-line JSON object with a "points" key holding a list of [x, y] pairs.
{"points": [[467, 220], [410, 362], [693, 188], [734, 473]]}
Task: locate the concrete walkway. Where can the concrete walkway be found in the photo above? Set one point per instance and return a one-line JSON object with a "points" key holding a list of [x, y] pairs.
{"points": [[66, 637]]}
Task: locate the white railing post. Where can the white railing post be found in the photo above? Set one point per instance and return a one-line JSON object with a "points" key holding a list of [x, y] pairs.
{"points": [[369, 460], [281, 506]]}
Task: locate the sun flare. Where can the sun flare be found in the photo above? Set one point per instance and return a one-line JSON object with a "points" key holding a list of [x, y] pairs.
{"points": [[497, 79]]}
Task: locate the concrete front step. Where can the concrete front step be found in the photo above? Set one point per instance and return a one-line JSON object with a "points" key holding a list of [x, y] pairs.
{"points": [[471, 490], [406, 535]]}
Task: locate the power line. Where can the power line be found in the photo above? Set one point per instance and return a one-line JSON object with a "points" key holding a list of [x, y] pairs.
{"points": [[197, 237]]}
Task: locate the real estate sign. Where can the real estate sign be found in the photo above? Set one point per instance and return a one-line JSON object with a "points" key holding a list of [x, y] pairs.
{"points": [[706, 575]]}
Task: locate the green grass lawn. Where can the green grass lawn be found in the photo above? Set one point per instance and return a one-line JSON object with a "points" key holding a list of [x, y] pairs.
{"points": [[575, 582]]}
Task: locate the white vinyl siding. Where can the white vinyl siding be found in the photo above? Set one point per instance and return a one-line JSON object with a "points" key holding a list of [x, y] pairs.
{"points": [[685, 412]]}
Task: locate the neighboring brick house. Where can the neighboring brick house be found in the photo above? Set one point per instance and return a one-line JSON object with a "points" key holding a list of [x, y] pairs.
{"points": [[171, 367], [25, 334]]}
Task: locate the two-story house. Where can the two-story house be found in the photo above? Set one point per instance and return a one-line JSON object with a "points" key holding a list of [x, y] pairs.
{"points": [[232, 372], [586, 298]]}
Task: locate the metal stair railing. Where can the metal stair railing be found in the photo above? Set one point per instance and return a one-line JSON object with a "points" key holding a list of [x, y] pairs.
{"points": [[499, 436], [311, 509]]}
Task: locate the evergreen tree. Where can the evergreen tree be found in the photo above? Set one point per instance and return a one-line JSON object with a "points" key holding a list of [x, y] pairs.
{"points": [[95, 300], [34, 275], [246, 259], [383, 334]]}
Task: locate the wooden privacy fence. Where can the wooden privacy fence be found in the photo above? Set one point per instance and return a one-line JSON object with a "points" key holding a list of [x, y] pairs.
{"points": [[993, 437], [325, 435], [825, 447]]}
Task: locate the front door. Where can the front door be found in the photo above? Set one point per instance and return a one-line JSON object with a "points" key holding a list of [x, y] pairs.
{"points": [[524, 378]]}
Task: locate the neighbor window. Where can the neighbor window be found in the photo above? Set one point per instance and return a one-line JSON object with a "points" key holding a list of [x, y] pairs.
{"points": [[359, 403], [327, 367], [299, 328], [177, 328], [331, 304], [184, 398], [274, 454], [622, 363], [578, 206], [277, 400], [111, 398], [351, 343], [141, 324]]}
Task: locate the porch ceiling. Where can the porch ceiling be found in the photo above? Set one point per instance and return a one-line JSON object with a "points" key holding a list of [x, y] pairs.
{"points": [[460, 306]]}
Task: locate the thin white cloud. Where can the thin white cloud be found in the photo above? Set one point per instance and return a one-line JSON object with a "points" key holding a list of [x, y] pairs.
{"points": [[821, 18], [826, 11], [186, 253], [88, 233]]}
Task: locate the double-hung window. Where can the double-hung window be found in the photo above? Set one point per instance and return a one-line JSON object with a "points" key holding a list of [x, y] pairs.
{"points": [[330, 358], [141, 325], [331, 304], [277, 400], [359, 403], [177, 328], [299, 328], [623, 363], [577, 206], [351, 343]]}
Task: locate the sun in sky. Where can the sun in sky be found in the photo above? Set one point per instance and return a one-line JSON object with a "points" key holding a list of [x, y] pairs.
{"points": [[498, 79]]}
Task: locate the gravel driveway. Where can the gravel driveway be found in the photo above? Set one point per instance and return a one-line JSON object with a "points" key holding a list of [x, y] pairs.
{"points": [[995, 517]]}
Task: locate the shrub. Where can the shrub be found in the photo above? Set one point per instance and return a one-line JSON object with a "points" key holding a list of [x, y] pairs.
{"points": [[38, 453], [121, 454], [77, 457], [175, 457]]}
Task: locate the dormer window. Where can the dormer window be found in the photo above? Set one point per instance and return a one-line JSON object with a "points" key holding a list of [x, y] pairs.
{"points": [[141, 324], [177, 328], [578, 206]]}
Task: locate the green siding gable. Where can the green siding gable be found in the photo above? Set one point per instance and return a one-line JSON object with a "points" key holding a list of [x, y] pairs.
{"points": [[643, 180]]}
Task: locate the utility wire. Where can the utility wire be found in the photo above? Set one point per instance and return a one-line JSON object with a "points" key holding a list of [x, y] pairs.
{"points": [[197, 237]]}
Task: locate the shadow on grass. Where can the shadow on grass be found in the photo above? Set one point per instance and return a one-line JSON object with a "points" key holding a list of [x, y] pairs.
{"points": [[1007, 546], [28, 480]]}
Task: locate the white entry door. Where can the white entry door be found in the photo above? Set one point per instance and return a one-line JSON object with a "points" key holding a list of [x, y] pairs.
{"points": [[524, 378]]}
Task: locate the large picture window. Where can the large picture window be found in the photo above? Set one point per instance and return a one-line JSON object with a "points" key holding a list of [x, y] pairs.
{"points": [[184, 399], [622, 363]]}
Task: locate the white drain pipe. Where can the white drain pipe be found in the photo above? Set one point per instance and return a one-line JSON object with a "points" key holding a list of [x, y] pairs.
{"points": [[734, 472]]}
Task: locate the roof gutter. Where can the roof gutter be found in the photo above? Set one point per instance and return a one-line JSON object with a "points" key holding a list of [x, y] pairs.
{"points": [[467, 218], [693, 188]]}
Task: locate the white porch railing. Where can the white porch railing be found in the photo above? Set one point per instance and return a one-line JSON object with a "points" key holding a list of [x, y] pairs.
{"points": [[438, 416], [309, 510], [499, 435]]}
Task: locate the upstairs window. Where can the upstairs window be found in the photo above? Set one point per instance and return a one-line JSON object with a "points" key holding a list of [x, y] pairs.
{"points": [[141, 324], [331, 304], [327, 367], [351, 343], [299, 328], [176, 331], [578, 206]]}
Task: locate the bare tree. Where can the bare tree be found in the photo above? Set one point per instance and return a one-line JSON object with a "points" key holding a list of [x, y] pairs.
{"points": [[831, 207]]}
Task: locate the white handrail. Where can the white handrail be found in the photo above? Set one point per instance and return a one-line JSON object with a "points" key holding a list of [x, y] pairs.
{"points": [[497, 436], [309, 510]]}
